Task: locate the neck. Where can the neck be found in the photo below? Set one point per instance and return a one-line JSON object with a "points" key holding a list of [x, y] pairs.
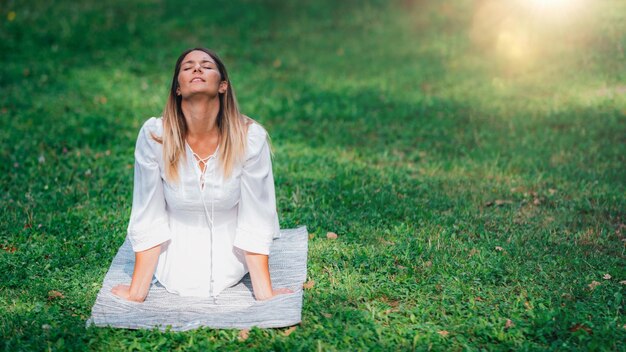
{"points": [[201, 116]]}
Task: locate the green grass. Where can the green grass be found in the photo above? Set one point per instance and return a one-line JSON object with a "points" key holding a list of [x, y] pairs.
{"points": [[393, 126]]}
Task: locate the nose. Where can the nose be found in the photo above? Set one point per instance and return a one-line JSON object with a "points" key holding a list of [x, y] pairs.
{"points": [[198, 68]]}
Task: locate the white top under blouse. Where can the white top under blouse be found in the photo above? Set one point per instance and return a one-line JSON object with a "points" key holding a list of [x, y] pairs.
{"points": [[204, 230]]}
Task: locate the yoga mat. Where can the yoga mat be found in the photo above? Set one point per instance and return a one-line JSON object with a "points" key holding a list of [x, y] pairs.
{"points": [[235, 307]]}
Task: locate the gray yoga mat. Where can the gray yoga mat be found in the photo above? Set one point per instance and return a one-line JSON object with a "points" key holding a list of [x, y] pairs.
{"points": [[235, 307]]}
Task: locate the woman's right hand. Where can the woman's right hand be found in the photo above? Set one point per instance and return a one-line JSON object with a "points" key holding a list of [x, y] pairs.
{"points": [[145, 263], [123, 291]]}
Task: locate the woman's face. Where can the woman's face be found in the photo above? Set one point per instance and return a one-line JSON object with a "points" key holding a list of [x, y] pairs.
{"points": [[199, 75]]}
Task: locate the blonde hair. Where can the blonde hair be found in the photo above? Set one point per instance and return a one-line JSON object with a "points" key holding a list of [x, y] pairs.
{"points": [[231, 123]]}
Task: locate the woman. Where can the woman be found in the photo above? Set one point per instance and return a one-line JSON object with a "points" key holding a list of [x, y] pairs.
{"points": [[204, 207]]}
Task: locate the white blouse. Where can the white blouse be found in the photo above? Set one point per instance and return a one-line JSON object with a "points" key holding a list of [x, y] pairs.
{"points": [[204, 230]]}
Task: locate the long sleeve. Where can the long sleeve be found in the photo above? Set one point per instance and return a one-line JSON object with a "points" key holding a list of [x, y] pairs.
{"points": [[149, 221], [257, 218]]}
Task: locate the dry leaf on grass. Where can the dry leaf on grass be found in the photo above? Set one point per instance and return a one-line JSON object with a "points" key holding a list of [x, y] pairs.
{"points": [[478, 298], [607, 277], [498, 202], [500, 249], [289, 331], [7, 248], [311, 236], [308, 285], [53, 294], [577, 327], [443, 333], [243, 334], [331, 235], [508, 324], [623, 282], [593, 284], [327, 315], [384, 241]]}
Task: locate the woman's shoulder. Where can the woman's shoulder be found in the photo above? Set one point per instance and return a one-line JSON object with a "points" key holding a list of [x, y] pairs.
{"points": [[153, 125], [256, 137], [254, 130]]}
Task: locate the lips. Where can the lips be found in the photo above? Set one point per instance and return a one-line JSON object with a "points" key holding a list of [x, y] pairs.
{"points": [[197, 79]]}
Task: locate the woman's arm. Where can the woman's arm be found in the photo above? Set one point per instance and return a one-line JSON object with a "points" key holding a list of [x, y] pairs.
{"points": [[258, 265], [148, 226], [145, 263]]}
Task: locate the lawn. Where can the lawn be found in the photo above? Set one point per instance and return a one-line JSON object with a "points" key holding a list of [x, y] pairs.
{"points": [[468, 154]]}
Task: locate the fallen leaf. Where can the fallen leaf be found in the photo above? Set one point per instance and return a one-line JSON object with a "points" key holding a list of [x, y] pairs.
{"points": [[478, 298], [7, 248], [508, 324], [289, 331], [623, 282], [327, 315], [551, 191], [311, 235], [384, 241], [308, 285], [593, 284], [331, 235], [567, 296], [528, 305], [428, 264], [536, 201], [607, 277], [53, 294], [577, 327], [498, 202], [443, 333], [498, 248], [473, 251], [243, 334]]}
